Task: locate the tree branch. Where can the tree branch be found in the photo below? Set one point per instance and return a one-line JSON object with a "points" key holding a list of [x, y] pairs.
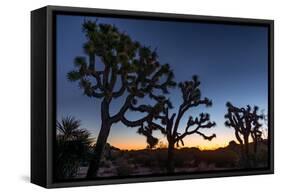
{"points": [[205, 136], [135, 123], [118, 116], [122, 89], [202, 122]]}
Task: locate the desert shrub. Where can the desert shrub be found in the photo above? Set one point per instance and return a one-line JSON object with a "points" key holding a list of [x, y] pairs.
{"points": [[114, 156], [180, 159], [107, 164], [142, 158], [221, 158], [124, 168], [161, 158]]}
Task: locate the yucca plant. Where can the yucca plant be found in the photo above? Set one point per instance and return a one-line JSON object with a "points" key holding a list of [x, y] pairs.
{"points": [[72, 146]]}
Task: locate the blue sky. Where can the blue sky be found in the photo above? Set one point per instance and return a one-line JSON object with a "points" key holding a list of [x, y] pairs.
{"points": [[231, 61]]}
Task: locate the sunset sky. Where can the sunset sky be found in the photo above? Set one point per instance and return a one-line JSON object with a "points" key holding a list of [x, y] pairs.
{"points": [[231, 62]]}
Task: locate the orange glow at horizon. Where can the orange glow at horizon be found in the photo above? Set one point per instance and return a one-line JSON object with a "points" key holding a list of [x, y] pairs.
{"points": [[139, 142]]}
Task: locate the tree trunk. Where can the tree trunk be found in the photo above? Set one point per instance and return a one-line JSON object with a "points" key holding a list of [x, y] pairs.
{"points": [[246, 152], [98, 152], [170, 161], [246, 147], [101, 141], [242, 151], [255, 152], [255, 146]]}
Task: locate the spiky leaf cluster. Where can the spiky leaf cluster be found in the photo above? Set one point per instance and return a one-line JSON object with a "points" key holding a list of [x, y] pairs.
{"points": [[136, 66], [114, 65]]}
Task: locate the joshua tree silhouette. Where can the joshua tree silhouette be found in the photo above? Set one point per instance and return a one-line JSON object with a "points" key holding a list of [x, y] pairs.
{"points": [[169, 124], [128, 69], [245, 122], [72, 147]]}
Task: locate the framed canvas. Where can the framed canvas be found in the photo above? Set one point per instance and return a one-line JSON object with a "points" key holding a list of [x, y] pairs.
{"points": [[125, 96]]}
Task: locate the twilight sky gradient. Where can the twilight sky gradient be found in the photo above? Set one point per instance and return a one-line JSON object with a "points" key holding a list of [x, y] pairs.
{"points": [[231, 62]]}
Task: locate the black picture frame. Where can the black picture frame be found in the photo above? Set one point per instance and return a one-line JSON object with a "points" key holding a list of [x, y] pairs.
{"points": [[43, 87]]}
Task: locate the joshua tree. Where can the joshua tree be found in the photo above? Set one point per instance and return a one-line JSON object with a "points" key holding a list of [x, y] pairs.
{"points": [[256, 135], [115, 66], [169, 124], [72, 147], [264, 124], [245, 122]]}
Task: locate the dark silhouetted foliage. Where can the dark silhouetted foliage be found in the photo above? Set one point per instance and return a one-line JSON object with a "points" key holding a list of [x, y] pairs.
{"points": [[245, 122], [127, 69], [72, 145], [169, 124]]}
